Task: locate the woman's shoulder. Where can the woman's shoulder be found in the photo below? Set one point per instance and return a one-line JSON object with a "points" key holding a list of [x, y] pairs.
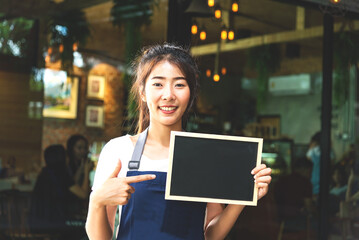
{"points": [[117, 148], [122, 142]]}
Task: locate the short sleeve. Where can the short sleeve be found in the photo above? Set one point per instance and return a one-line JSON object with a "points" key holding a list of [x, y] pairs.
{"points": [[115, 150]]}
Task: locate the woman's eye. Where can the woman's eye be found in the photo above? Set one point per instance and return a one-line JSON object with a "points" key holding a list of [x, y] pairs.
{"points": [[157, 84], [180, 85]]}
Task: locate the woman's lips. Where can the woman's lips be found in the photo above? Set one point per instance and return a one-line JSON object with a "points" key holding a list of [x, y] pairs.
{"points": [[168, 109]]}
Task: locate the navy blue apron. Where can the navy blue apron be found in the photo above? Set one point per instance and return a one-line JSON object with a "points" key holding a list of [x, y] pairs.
{"points": [[149, 216]]}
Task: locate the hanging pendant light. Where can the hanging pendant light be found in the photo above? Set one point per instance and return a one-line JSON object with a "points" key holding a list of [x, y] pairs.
{"points": [[235, 6], [231, 34], [194, 28], [210, 3], [203, 35], [224, 33], [217, 12]]}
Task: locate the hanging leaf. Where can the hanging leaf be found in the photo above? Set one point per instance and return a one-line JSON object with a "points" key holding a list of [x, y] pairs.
{"points": [[136, 11], [131, 15], [265, 60], [67, 29], [346, 53], [13, 36]]}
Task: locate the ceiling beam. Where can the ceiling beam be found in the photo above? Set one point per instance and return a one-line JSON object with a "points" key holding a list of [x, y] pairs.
{"points": [[287, 36]]}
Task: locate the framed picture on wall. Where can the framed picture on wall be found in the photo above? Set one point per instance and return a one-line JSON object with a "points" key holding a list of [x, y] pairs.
{"points": [[60, 94], [96, 86], [95, 116]]}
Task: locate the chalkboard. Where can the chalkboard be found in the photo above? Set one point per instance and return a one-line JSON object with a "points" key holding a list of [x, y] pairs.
{"points": [[212, 168]]}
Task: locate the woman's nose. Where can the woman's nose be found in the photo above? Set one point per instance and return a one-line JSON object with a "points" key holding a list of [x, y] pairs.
{"points": [[167, 93]]}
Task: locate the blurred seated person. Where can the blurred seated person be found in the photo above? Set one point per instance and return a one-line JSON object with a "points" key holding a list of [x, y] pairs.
{"points": [[77, 148], [293, 194], [338, 189], [55, 195], [352, 193], [349, 208], [347, 160], [339, 185]]}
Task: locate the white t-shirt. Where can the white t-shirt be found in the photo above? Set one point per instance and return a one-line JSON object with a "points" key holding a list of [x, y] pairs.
{"points": [[121, 148]]}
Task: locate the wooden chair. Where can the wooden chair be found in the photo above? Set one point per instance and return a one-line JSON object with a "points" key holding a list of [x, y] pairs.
{"points": [[14, 209], [348, 211], [306, 233]]}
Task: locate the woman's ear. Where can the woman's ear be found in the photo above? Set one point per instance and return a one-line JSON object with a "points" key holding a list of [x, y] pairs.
{"points": [[143, 96]]}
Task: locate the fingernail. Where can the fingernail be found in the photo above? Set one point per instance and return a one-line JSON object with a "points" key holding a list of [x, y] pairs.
{"points": [[153, 176], [252, 172]]}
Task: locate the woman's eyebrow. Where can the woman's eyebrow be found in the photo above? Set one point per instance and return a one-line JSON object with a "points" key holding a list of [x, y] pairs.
{"points": [[163, 78]]}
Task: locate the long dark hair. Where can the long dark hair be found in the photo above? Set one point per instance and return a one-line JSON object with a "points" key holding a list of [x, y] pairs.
{"points": [[147, 60], [70, 151]]}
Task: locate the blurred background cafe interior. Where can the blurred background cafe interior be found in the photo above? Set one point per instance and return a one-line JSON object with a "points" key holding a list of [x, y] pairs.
{"points": [[282, 70]]}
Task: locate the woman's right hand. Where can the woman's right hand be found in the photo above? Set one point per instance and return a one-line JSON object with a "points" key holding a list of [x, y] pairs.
{"points": [[117, 190]]}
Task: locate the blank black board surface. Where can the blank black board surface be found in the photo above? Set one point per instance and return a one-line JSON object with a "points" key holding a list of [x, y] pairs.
{"points": [[212, 168]]}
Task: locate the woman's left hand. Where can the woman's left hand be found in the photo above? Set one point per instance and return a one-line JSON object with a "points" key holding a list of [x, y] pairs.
{"points": [[262, 178]]}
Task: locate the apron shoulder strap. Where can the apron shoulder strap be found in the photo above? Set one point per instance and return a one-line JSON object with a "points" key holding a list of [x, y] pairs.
{"points": [[134, 164]]}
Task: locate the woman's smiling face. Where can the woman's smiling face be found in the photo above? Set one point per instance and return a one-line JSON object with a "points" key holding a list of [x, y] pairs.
{"points": [[167, 94]]}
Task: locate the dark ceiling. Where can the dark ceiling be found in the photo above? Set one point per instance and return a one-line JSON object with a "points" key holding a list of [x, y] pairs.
{"points": [[42, 8]]}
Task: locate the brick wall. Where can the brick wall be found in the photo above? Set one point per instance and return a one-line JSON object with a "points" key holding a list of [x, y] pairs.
{"points": [[59, 130]]}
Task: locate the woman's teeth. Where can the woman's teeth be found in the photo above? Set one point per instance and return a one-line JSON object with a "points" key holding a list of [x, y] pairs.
{"points": [[167, 108]]}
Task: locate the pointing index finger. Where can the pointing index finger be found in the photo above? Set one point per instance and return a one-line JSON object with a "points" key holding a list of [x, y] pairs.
{"points": [[140, 178]]}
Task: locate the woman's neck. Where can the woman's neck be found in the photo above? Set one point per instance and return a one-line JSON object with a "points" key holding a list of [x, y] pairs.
{"points": [[161, 133]]}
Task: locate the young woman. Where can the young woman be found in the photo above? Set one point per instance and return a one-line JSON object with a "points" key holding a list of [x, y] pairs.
{"points": [[166, 84], [55, 194], [77, 151]]}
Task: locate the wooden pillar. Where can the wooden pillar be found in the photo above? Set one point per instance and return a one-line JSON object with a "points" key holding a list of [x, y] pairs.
{"points": [[179, 23]]}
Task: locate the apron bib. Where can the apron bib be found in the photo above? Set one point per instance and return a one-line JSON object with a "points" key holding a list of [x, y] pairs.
{"points": [[149, 216]]}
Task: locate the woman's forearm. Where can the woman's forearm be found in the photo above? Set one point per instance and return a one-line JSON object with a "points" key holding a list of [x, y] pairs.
{"points": [[220, 226], [98, 226]]}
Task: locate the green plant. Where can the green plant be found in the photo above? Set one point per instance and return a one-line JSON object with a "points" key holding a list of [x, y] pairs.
{"points": [[131, 15], [265, 60], [67, 29], [346, 53], [13, 36]]}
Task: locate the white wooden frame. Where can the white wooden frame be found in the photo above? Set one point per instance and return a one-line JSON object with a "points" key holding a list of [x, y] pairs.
{"points": [[95, 116], [96, 86], [168, 196]]}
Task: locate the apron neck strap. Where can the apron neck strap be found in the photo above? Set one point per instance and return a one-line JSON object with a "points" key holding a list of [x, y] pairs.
{"points": [[134, 164]]}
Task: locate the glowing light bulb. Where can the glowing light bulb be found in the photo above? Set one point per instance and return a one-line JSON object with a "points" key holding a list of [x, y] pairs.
{"points": [[194, 29], [216, 77], [224, 34], [61, 48], [224, 71], [210, 3], [74, 47], [218, 13], [208, 72], [231, 35], [235, 7], [202, 35]]}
